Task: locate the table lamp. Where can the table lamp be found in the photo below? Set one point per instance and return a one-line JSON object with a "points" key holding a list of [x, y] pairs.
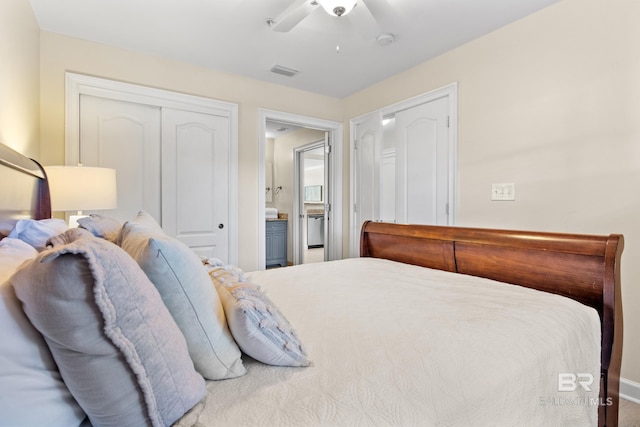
{"points": [[79, 188]]}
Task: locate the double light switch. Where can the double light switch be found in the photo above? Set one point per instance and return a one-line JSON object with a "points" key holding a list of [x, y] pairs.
{"points": [[503, 191]]}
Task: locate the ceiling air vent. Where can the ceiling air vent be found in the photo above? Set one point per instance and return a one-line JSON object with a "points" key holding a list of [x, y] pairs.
{"points": [[279, 69]]}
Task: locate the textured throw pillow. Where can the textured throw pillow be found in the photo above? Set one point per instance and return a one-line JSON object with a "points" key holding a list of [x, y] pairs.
{"points": [[29, 377], [186, 290], [101, 226], [37, 232], [117, 347], [257, 325]]}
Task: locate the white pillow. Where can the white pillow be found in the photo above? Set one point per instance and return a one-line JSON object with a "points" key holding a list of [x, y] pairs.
{"points": [[178, 274], [257, 325], [33, 393], [36, 233]]}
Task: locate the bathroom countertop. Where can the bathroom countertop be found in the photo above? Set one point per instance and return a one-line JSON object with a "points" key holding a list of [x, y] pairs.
{"points": [[315, 211]]}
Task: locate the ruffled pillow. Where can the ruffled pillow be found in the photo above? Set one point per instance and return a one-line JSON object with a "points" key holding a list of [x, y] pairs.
{"points": [[257, 325], [117, 347]]}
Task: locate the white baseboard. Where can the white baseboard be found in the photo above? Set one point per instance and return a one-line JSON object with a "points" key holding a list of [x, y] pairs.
{"points": [[630, 390]]}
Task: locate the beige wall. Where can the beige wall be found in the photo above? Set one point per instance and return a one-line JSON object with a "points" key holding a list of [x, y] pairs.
{"points": [[552, 104], [60, 54], [19, 82]]}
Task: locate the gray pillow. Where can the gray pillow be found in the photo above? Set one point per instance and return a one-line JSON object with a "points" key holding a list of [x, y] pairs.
{"points": [[101, 226], [186, 290], [117, 347]]}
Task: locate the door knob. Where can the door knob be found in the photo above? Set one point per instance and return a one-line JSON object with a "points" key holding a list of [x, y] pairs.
{"points": [[220, 226]]}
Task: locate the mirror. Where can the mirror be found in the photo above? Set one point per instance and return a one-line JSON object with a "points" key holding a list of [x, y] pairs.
{"points": [[313, 194]]}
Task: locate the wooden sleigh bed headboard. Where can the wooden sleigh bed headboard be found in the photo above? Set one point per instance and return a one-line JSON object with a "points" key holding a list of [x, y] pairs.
{"points": [[25, 190], [585, 268]]}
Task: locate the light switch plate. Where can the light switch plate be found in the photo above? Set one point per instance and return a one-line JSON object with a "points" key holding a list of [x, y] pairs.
{"points": [[505, 191]]}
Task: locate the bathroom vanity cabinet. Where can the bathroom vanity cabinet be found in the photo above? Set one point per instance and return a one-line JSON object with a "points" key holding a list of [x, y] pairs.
{"points": [[276, 242]]}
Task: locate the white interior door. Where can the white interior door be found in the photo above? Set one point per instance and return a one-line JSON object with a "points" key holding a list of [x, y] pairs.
{"points": [[312, 168], [388, 182], [422, 163], [124, 136], [367, 150], [329, 214], [195, 180], [404, 167]]}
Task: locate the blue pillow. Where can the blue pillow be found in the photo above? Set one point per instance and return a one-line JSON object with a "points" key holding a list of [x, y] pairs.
{"points": [[178, 274]]}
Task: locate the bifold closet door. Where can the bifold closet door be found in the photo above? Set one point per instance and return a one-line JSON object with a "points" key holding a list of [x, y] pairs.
{"points": [[195, 180], [173, 164], [125, 136]]}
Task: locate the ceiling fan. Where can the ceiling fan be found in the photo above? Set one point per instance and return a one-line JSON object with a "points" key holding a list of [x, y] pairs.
{"points": [[361, 13]]}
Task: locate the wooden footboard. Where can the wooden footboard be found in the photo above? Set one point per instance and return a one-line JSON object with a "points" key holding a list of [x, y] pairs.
{"points": [[585, 268]]}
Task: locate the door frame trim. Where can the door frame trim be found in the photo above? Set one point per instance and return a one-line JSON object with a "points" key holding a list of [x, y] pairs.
{"points": [[450, 91], [80, 84], [335, 129]]}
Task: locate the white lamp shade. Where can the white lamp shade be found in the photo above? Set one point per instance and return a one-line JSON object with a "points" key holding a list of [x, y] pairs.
{"points": [[331, 5], [78, 188]]}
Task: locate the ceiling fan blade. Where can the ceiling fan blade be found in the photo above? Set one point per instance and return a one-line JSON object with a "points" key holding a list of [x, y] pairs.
{"points": [[364, 21], [292, 15]]}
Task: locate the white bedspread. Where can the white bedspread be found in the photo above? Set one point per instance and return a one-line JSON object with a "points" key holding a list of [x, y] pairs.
{"points": [[399, 345]]}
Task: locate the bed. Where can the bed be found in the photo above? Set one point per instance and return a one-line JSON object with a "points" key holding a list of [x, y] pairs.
{"points": [[425, 328]]}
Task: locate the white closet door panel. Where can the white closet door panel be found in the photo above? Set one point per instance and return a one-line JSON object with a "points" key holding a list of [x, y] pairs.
{"points": [[367, 173], [422, 167], [419, 200], [195, 180], [124, 136], [388, 196]]}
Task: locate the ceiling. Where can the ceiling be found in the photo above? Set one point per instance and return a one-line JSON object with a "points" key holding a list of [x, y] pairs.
{"points": [[233, 35]]}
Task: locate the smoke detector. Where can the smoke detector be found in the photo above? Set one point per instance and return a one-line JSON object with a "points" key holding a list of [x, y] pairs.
{"points": [[385, 39]]}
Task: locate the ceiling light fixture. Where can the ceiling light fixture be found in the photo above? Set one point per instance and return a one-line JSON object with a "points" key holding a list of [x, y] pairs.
{"points": [[338, 7]]}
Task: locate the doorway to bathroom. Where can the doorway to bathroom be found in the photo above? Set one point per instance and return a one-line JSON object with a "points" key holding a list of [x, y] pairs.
{"points": [[281, 176]]}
